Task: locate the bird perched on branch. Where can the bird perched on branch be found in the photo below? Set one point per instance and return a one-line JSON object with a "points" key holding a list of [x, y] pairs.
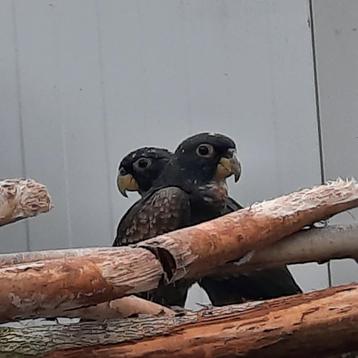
{"points": [[196, 175], [182, 196], [194, 178]]}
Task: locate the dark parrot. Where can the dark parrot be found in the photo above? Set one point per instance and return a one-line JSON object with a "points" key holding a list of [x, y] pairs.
{"points": [[182, 196], [190, 189], [206, 194]]}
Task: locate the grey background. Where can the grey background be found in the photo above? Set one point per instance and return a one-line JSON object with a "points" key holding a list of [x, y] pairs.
{"points": [[84, 82], [336, 30]]}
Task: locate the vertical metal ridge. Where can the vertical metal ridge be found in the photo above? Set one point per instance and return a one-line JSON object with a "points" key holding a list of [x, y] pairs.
{"points": [[104, 115], [318, 112], [20, 110]]}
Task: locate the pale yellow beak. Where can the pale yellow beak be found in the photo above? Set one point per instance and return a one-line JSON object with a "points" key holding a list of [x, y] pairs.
{"points": [[126, 183], [228, 166]]}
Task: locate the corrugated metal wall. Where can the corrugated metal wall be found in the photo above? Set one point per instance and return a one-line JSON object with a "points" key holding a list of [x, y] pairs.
{"points": [[336, 39], [83, 82]]}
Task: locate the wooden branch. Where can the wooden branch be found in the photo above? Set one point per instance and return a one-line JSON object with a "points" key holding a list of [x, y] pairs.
{"points": [[309, 325], [22, 198], [52, 287], [314, 245], [311, 245], [120, 308], [320, 245]]}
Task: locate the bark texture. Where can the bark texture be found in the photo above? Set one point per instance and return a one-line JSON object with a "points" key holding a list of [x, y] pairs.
{"points": [[22, 198], [33, 256], [310, 245], [52, 287], [316, 324]]}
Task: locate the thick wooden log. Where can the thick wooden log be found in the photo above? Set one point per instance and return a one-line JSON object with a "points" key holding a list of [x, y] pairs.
{"points": [[310, 245], [22, 198], [319, 245], [315, 324], [52, 287]]}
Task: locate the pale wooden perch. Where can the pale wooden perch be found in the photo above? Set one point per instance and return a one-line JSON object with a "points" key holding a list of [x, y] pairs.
{"points": [[124, 307], [22, 198], [316, 324], [313, 245], [52, 287], [319, 245]]}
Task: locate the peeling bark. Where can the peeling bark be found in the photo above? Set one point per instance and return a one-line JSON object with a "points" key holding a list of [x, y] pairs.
{"points": [[52, 287], [22, 198], [315, 324], [33, 256], [311, 245]]}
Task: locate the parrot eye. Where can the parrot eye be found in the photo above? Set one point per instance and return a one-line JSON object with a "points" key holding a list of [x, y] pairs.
{"points": [[142, 163], [122, 171], [205, 150]]}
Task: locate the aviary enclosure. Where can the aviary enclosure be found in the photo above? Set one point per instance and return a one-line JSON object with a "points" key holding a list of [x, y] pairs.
{"points": [[99, 285]]}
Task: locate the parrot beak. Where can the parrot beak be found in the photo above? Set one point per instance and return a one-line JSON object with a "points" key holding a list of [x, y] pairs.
{"points": [[228, 165], [126, 182]]}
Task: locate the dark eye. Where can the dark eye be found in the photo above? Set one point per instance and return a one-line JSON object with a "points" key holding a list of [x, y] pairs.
{"points": [[142, 163], [122, 171], [205, 150]]}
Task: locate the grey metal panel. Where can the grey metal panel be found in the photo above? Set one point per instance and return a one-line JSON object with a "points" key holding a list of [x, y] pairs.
{"points": [[12, 237], [61, 108], [336, 32], [100, 78], [43, 136], [84, 124]]}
